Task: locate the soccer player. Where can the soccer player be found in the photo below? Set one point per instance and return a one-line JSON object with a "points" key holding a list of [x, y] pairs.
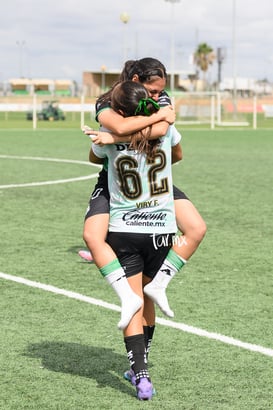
{"points": [[142, 221], [152, 74]]}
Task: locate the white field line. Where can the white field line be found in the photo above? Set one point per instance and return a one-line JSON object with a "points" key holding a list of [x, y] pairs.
{"points": [[164, 322], [68, 161], [73, 295], [59, 181], [58, 291]]}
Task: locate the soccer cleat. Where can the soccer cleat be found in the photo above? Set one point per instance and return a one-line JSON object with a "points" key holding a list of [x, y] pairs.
{"points": [[158, 295], [144, 389], [86, 255], [130, 376]]}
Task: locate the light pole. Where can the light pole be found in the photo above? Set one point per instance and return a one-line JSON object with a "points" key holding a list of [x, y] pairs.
{"points": [[124, 17], [221, 55], [172, 44], [234, 68], [103, 69]]}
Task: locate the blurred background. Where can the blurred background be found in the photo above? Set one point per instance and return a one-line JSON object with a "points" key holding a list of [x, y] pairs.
{"points": [[72, 52]]}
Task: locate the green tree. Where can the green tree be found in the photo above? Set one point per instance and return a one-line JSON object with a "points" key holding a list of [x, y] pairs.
{"points": [[204, 56]]}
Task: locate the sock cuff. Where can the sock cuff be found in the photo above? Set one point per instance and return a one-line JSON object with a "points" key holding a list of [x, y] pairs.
{"points": [[175, 259], [135, 343], [148, 331], [110, 267]]}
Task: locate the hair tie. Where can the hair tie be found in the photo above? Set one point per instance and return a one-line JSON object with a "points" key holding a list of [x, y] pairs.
{"points": [[142, 106]]}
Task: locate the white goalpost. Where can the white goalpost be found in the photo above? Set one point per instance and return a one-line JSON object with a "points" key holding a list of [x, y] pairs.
{"points": [[212, 108]]}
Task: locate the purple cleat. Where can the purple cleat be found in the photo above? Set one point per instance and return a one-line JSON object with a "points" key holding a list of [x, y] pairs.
{"points": [[144, 389], [130, 376]]}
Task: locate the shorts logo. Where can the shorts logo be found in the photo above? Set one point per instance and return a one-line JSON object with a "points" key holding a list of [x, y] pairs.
{"points": [[97, 193]]}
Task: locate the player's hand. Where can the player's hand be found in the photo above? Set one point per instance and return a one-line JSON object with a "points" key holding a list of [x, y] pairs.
{"points": [[100, 137], [94, 135], [87, 130], [168, 114]]}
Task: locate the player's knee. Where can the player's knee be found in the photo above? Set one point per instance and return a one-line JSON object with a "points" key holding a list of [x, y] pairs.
{"points": [[93, 240], [196, 232], [199, 231], [88, 238]]}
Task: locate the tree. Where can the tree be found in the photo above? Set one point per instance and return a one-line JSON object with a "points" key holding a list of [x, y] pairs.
{"points": [[204, 56]]}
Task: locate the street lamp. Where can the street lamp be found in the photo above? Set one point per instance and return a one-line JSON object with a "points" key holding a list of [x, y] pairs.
{"points": [[103, 69], [172, 44], [221, 55], [124, 17], [234, 58]]}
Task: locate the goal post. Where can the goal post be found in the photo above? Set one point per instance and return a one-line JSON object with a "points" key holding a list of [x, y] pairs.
{"points": [[196, 108], [211, 108]]}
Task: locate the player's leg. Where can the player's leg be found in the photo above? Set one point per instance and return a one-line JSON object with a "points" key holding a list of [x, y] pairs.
{"points": [[148, 318], [127, 249], [134, 340], [148, 322], [153, 259], [94, 234], [191, 225], [193, 229]]}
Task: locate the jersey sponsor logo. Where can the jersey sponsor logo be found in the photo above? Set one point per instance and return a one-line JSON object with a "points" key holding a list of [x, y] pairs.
{"points": [[151, 219], [144, 216], [124, 147]]}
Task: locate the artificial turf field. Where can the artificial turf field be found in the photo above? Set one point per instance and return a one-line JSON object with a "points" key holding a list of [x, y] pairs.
{"points": [[61, 350]]}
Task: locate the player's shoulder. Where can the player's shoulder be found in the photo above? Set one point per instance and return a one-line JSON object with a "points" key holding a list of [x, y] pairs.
{"points": [[164, 99], [102, 106]]}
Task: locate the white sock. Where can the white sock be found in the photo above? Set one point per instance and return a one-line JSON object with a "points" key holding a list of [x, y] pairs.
{"points": [[130, 301], [156, 289]]}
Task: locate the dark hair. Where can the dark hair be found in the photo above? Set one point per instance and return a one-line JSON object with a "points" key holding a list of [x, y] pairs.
{"points": [[147, 69], [131, 98]]}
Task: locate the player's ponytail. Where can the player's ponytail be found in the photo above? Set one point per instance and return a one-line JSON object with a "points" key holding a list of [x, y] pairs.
{"points": [[146, 69], [131, 98]]}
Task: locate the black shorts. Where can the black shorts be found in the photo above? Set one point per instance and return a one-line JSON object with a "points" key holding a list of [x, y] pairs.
{"points": [[138, 252], [100, 198], [177, 194]]}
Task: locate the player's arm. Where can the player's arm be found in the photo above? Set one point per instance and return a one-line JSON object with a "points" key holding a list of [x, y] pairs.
{"points": [[94, 159], [103, 137], [177, 153], [175, 135], [155, 131], [121, 126]]}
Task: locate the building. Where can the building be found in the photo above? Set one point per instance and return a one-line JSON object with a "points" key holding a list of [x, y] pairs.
{"points": [[41, 86]]}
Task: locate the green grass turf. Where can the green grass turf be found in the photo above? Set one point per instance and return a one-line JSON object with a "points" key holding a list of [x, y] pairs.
{"points": [[60, 353]]}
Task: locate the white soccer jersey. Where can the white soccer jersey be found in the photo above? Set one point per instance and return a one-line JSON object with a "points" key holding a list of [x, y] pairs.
{"points": [[141, 192]]}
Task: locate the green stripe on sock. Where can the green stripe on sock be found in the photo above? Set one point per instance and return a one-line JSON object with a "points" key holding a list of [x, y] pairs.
{"points": [[175, 260], [110, 267]]}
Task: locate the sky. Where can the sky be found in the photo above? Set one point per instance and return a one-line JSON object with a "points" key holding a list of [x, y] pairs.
{"points": [[62, 39]]}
